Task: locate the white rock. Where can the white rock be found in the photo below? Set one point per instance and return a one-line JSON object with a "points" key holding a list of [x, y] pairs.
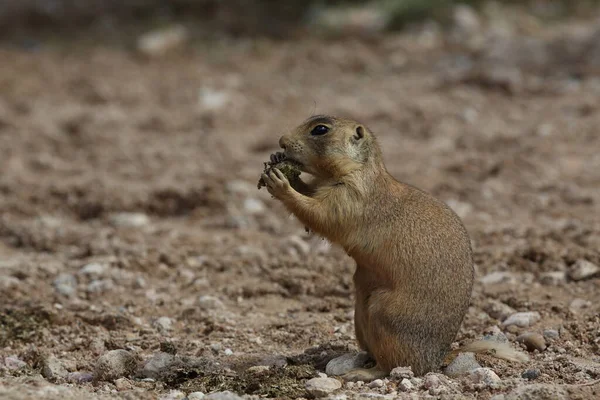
{"points": [[463, 364], [240, 187], [405, 385], [498, 277], [14, 363], [344, 363], [93, 269], [207, 302], [65, 284], [522, 319], [160, 42], [129, 219], [156, 364], [53, 369], [163, 324], [377, 383], [212, 99], [551, 334], [579, 304], [253, 206], [100, 286], [485, 376], [432, 381], [583, 269], [228, 352], [466, 19], [321, 387], [196, 396], [226, 395], [553, 278]]}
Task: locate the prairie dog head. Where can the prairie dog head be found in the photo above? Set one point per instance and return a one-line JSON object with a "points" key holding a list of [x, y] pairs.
{"points": [[330, 147]]}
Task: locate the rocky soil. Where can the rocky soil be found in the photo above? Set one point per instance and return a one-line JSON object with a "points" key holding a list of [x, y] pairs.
{"points": [[138, 259]]}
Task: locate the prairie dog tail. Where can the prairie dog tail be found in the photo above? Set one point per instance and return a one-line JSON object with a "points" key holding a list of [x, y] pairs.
{"points": [[497, 349]]}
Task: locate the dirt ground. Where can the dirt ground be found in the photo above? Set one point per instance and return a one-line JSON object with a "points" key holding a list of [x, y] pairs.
{"points": [[130, 218]]}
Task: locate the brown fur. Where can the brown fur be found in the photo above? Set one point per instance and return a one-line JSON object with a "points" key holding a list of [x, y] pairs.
{"points": [[414, 271]]}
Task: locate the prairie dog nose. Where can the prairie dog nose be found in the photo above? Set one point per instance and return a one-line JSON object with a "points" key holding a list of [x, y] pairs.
{"points": [[283, 142]]}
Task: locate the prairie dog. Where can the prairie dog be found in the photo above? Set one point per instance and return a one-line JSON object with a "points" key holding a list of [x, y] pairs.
{"points": [[414, 267]]}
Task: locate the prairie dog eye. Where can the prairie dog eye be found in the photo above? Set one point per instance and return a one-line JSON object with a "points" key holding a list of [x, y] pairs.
{"points": [[319, 130]]}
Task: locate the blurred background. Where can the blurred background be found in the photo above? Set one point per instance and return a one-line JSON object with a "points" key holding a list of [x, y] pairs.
{"points": [[133, 134]]}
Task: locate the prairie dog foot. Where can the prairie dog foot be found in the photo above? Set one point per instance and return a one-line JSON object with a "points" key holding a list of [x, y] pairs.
{"points": [[364, 374]]}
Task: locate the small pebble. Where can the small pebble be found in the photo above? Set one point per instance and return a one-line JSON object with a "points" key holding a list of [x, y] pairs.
{"points": [[210, 303], [253, 206], [14, 363], [258, 369], [522, 319], [173, 395], [80, 377], [228, 352], [432, 381], [226, 395], [553, 278], [377, 383], [114, 364], [65, 284], [463, 364], [405, 385], [123, 384], [485, 376], [583, 269], [321, 387], [163, 324], [496, 335], [498, 277], [196, 396], [156, 364], [53, 369], [129, 219], [497, 309], [402, 373], [531, 374], [551, 334], [579, 304], [344, 363], [533, 341], [93, 269], [100, 286]]}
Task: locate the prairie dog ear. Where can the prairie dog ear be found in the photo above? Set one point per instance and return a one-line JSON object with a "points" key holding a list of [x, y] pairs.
{"points": [[359, 133]]}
